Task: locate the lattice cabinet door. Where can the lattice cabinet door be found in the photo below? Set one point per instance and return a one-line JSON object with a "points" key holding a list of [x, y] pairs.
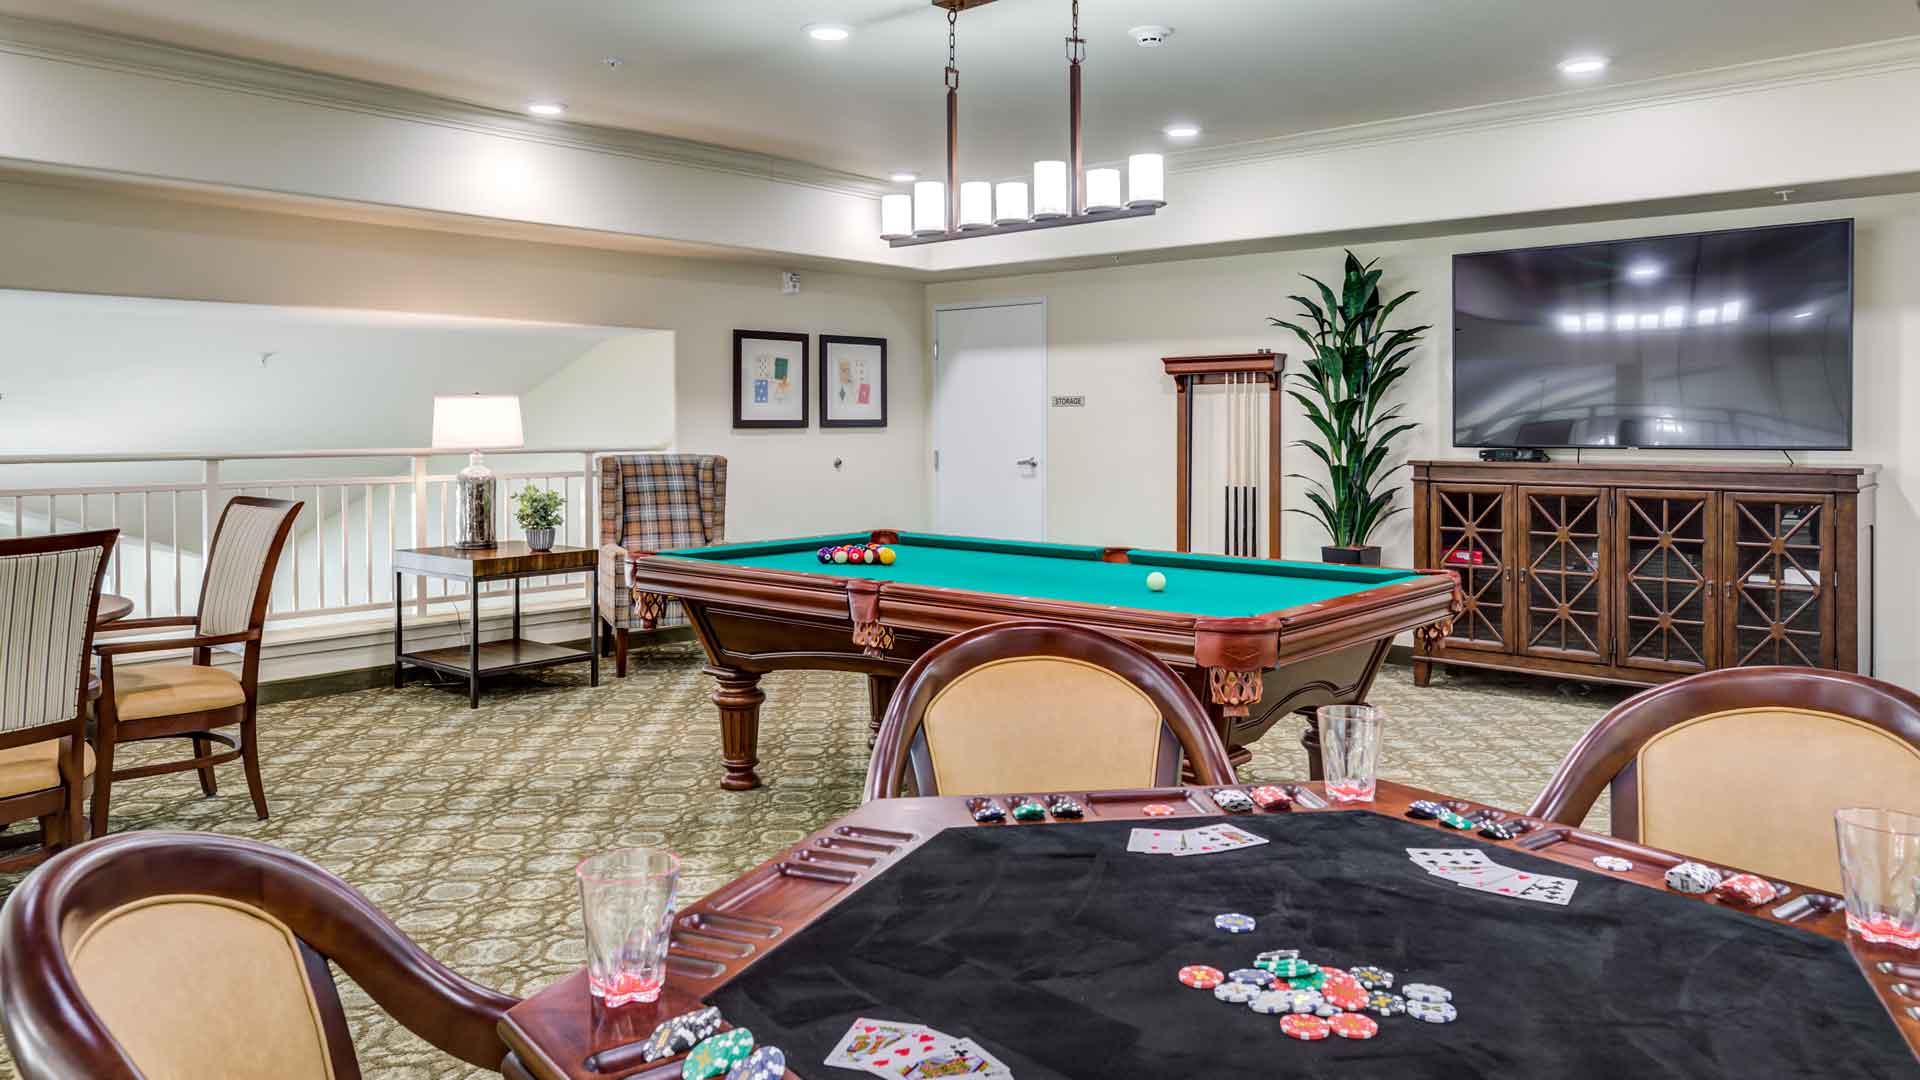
{"points": [[1777, 599], [1470, 524], [1666, 543], [1561, 551]]}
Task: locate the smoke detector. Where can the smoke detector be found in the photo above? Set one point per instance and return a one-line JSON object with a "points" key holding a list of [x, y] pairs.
{"points": [[1151, 37]]}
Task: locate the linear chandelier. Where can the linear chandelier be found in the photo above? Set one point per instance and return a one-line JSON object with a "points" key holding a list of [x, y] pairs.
{"points": [[1063, 193]]}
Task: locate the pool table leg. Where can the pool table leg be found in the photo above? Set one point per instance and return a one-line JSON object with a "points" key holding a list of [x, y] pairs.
{"points": [[738, 697], [1310, 742], [1422, 672], [880, 690]]}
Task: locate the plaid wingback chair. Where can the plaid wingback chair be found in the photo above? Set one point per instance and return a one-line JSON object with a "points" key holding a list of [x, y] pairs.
{"points": [[653, 502]]}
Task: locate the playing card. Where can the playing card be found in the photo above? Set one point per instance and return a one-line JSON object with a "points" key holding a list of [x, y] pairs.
{"points": [[1447, 860], [950, 1057], [874, 1045], [1157, 841], [1513, 883], [1547, 889], [1212, 839], [1478, 877]]}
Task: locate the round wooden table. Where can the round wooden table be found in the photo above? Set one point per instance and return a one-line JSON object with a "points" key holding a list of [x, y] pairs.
{"points": [[113, 608]]}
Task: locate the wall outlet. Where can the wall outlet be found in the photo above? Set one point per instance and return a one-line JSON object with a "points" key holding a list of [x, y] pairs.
{"points": [[789, 282]]}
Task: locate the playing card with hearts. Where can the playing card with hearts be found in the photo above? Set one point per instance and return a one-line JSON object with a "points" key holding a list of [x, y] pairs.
{"points": [[1157, 841], [950, 1057], [877, 1046], [1212, 839]]}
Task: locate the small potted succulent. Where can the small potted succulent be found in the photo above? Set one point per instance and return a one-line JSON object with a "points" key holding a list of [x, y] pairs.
{"points": [[538, 512]]}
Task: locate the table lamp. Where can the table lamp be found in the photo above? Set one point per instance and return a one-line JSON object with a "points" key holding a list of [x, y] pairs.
{"points": [[475, 422]]}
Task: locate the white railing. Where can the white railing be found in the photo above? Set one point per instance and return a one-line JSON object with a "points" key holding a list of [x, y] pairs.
{"points": [[339, 558]]}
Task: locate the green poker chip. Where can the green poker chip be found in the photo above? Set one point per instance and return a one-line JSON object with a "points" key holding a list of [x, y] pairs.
{"points": [[1455, 821], [1291, 967], [1312, 981]]}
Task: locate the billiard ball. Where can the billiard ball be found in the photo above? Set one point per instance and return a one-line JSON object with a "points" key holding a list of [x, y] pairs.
{"points": [[839, 555], [1156, 581], [825, 554], [869, 556], [887, 556]]}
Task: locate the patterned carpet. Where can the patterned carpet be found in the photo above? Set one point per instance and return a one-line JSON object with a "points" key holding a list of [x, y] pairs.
{"points": [[465, 825]]}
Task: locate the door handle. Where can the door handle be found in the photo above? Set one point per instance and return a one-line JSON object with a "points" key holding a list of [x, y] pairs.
{"points": [[1031, 463]]}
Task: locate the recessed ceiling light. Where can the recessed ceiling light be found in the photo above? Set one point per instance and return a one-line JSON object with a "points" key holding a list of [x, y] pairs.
{"points": [[904, 177], [1645, 271], [1803, 314], [547, 108], [828, 32], [1583, 65], [1182, 131]]}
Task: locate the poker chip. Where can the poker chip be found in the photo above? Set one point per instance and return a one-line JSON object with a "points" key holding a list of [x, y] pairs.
{"points": [[1692, 878], [765, 1063], [1337, 979], [1029, 810], [1065, 807], [1234, 923], [1433, 1012], [1271, 797], [681, 1033], [1232, 800], [1354, 1026], [1500, 830], [1746, 890], [1236, 993], [1201, 977], [1425, 809], [1270, 959], [1382, 1003], [1250, 976], [1157, 810], [1326, 1010], [1302, 1001], [1350, 998], [1425, 992], [1304, 1028], [1270, 1002], [1291, 967], [1311, 981], [1373, 978], [1612, 862], [1455, 821], [717, 1054]]}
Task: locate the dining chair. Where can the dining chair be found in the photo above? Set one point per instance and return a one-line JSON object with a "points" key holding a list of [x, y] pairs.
{"points": [[49, 594], [1033, 705], [169, 955], [1745, 766], [189, 700]]}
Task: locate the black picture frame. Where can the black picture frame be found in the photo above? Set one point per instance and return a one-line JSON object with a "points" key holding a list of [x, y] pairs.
{"points": [[743, 340], [827, 419]]}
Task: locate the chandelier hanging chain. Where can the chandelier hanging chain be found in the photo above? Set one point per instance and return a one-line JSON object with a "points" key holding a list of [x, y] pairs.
{"points": [[1076, 45], [953, 69]]}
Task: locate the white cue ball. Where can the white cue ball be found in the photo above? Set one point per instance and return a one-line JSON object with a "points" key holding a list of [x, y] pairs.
{"points": [[1156, 581]]}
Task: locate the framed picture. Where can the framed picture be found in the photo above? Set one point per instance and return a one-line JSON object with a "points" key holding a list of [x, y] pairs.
{"points": [[769, 379], [853, 381]]}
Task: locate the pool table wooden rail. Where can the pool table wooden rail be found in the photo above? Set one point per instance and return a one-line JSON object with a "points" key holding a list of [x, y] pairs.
{"points": [[562, 1033], [752, 620]]}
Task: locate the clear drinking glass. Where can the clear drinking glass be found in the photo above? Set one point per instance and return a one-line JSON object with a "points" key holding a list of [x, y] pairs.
{"points": [[1349, 750], [626, 902], [1880, 873]]}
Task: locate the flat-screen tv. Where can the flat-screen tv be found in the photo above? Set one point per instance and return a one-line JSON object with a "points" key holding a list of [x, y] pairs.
{"points": [[1734, 340]]}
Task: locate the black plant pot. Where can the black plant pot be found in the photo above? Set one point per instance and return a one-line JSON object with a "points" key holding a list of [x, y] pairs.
{"points": [[1363, 555]]}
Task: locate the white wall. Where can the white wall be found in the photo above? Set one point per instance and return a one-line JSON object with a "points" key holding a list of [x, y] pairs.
{"points": [[780, 481], [1111, 463], [617, 393]]}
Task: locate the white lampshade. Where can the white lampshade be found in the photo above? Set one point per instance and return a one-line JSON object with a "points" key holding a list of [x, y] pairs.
{"points": [[1103, 189], [896, 216], [1010, 202], [976, 204], [929, 207], [1146, 180], [477, 422], [1050, 190]]}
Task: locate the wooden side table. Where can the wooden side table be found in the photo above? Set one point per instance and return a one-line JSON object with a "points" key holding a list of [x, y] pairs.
{"points": [[508, 561]]}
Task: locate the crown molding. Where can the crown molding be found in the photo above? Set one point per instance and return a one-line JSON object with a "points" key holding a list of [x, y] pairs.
{"points": [[1848, 62], [64, 43]]}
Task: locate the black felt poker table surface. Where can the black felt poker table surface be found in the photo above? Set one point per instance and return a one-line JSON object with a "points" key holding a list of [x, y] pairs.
{"points": [[1058, 950]]}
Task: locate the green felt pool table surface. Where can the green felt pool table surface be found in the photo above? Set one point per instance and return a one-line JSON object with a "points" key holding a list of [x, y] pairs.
{"points": [[1202, 585]]}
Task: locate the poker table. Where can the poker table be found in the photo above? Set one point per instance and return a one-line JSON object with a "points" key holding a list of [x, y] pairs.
{"points": [[1255, 638], [1058, 950]]}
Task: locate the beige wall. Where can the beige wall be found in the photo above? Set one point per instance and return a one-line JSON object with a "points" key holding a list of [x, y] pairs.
{"points": [[781, 482], [1110, 478]]}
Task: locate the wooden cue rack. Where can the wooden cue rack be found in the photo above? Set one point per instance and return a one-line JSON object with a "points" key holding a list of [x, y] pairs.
{"points": [[1265, 366]]}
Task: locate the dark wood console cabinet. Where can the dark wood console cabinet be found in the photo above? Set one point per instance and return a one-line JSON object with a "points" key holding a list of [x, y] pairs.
{"points": [[1643, 573]]}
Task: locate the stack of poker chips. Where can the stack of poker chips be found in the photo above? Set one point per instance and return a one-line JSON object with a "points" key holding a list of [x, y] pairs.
{"points": [[1745, 890], [857, 554], [1314, 1001], [681, 1033], [1694, 879]]}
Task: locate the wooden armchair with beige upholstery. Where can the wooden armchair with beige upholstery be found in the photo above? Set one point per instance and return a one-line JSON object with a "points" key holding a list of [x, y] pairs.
{"points": [[1037, 706], [49, 594], [1745, 766], [190, 700], [188, 954]]}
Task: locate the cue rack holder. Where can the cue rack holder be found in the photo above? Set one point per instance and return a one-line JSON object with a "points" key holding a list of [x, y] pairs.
{"points": [[1238, 456]]}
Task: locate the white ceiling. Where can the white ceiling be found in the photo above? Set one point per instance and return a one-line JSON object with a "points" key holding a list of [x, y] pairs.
{"points": [[741, 73]]}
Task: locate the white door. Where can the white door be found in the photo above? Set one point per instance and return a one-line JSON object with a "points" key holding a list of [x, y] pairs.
{"points": [[989, 420]]}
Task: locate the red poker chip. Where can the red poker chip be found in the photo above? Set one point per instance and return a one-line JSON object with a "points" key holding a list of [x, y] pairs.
{"points": [[1304, 1026], [1354, 1025], [1157, 810], [1350, 998], [1338, 978], [1749, 890], [1201, 977]]}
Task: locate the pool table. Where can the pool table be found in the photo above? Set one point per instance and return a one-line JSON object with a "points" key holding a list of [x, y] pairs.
{"points": [[1255, 638]]}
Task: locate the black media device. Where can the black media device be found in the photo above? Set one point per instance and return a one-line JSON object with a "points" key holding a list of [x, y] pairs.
{"points": [[1733, 340], [1506, 453]]}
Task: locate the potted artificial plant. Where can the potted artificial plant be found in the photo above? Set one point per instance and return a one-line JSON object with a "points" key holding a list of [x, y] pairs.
{"points": [[538, 512], [1352, 361]]}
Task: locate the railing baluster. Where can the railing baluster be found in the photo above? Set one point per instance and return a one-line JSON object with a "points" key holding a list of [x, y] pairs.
{"points": [[346, 551], [146, 538], [295, 600], [173, 528], [366, 545], [320, 546]]}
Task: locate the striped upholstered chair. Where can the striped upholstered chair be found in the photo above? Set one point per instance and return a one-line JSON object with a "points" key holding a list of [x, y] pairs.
{"points": [[49, 592], [648, 503], [188, 700]]}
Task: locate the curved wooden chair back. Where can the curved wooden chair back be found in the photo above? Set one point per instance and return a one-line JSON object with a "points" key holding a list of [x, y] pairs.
{"points": [[1746, 766], [1041, 706], [191, 954]]}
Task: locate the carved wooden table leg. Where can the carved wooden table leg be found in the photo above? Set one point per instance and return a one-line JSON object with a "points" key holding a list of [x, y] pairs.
{"points": [[1310, 742], [738, 697]]}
